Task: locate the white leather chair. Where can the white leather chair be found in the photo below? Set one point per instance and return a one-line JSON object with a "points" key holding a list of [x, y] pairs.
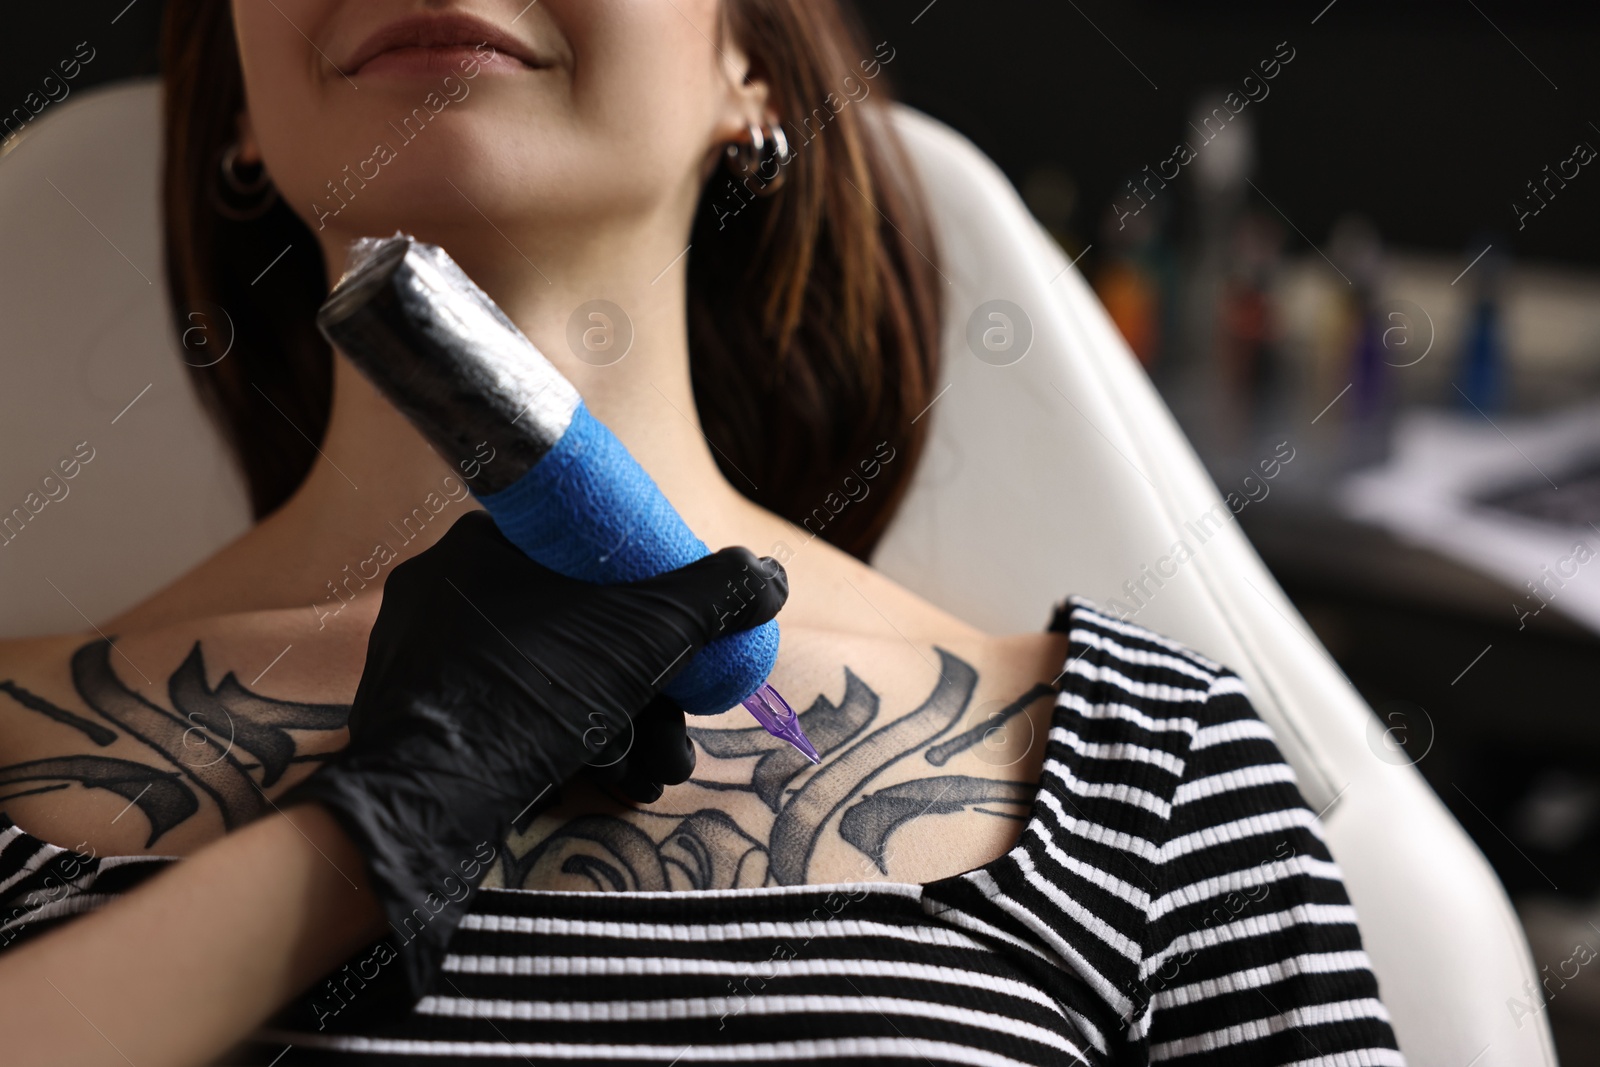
{"points": [[1061, 472]]}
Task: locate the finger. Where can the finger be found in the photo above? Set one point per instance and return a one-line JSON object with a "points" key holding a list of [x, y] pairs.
{"points": [[609, 765], [724, 592], [606, 769], [662, 751], [642, 791], [661, 754]]}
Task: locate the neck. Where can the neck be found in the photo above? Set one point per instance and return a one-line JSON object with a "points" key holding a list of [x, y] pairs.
{"points": [[374, 469], [377, 493]]}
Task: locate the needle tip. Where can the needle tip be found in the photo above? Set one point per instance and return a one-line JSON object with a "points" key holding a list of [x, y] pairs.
{"points": [[778, 719]]}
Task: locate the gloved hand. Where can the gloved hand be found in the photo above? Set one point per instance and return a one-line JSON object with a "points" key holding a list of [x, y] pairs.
{"points": [[490, 680]]}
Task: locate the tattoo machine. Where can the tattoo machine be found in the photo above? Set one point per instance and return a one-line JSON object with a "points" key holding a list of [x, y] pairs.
{"points": [[561, 486]]}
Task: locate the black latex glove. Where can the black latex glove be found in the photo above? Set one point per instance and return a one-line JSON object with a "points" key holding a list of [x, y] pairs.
{"points": [[490, 680], [652, 752]]}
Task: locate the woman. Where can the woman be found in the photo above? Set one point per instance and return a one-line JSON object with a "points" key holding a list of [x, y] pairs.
{"points": [[1079, 844]]}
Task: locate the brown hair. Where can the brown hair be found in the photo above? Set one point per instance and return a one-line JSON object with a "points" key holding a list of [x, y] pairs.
{"points": [[813, 312]]}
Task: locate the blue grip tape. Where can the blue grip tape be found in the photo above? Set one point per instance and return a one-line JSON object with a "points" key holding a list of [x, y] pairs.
{"points": [[589, 511]]}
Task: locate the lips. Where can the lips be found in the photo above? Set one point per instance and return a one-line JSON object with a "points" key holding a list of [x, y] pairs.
{"points": [[444, 32]]}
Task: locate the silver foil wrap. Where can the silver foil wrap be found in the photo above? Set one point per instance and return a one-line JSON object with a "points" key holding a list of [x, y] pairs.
{"points": [[447, 357]]}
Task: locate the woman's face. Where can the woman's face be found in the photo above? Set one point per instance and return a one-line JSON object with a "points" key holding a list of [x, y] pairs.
{"points": [[377, 114]]}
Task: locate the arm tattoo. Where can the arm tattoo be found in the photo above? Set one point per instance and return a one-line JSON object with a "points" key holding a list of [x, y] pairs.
{"points": [[95, 732], [256, 724], [198, 740], [186, 743], [160, 795], [709, 850]]}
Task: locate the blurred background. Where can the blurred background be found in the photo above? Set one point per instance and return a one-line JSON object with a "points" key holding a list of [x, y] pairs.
{"points": [[1356, 245]]}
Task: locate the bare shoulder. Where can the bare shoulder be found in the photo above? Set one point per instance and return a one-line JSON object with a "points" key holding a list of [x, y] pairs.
{"points": [[161, 740]]}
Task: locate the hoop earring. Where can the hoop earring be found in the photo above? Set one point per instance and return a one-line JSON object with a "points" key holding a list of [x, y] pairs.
{"points": [[239, 197], [763, 157]]}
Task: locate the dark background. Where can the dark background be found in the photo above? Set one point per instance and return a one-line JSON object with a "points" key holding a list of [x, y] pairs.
{"points": [[1420, 115]]}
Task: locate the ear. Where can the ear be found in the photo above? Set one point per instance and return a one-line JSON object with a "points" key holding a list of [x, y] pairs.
{"points": [[249, 149], [744, 102]]}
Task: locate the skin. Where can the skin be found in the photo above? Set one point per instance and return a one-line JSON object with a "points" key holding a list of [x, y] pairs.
{"points": [[551, 186]]}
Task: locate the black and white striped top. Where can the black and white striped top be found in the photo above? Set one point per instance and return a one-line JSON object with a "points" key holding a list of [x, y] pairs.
{"points": [[1171, 899]]}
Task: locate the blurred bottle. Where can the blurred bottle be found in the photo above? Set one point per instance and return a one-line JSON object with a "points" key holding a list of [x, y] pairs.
{"points": [[1354, 245], [1481, 371], [1134, 277], [1248, 335], [1210, 311]]}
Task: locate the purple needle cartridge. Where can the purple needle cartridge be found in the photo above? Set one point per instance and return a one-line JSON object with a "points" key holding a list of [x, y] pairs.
{"points": [[778, 719]]}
